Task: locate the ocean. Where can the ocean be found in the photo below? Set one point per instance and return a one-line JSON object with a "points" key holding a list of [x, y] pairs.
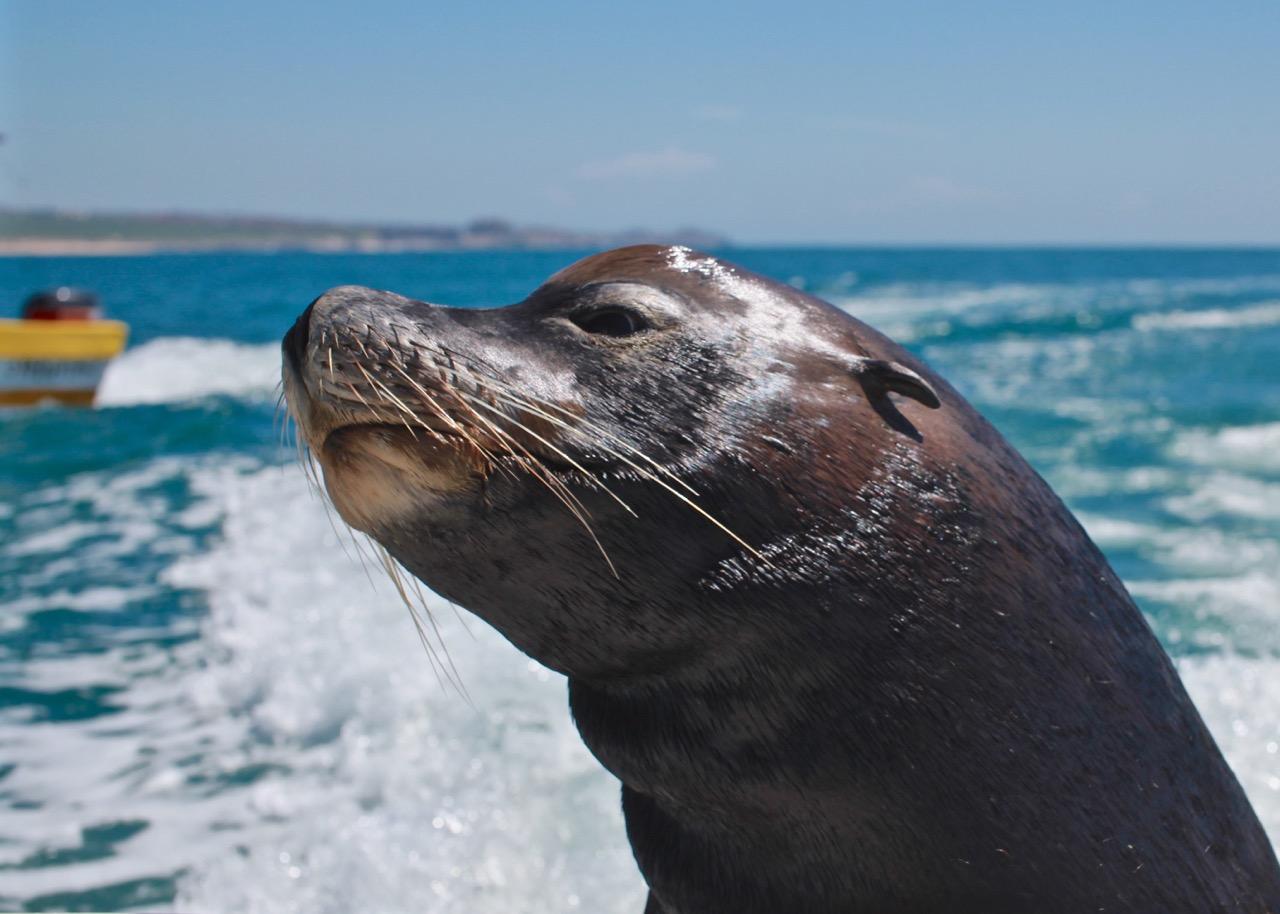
{"points": [[206, 704]]}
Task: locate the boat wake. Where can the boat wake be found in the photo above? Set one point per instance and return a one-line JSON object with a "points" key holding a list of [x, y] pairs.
{"points": [[177, 368]]}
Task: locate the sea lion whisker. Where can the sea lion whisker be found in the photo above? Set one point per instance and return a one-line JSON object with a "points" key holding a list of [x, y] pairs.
{"points": [[283, 418], [365, 546], [462, 620], [517, 400], [432, 658], [440, 411], [453, 424], [399, 404], [421, 597], [590, 426], [485, 376], [311, 474], [642, 471], [526, 460], [429, 649], [309, 471], [530, 461], [462, 399], [530, 465], [558, 452], [437, 668], [687, 501], [393, 571], [523, 456], [338, 532], [377, 414], [359, 554], [305, 456], [557, 488], [278, 415]]}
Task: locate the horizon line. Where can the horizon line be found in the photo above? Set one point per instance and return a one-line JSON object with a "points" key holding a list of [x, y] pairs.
{"points": [[353, 222]]}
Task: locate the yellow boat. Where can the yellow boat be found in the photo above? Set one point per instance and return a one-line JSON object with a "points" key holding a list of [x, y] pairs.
{"points": [[58, 350]]}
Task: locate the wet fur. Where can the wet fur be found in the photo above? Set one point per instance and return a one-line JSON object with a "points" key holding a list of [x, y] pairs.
{"points": [[907, 681]]}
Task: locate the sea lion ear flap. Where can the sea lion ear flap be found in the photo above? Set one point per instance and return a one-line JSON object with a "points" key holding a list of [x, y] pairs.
{"points": [[878, 375]]}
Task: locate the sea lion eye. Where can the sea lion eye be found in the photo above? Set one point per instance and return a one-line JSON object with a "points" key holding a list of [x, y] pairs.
{"points": [[611, 321]]}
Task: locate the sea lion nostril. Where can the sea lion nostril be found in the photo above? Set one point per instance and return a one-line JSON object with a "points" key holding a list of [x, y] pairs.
{"points": [[295, 341]]}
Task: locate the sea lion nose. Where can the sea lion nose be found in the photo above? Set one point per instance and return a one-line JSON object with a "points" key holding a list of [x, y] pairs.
{"points": [[359, 316], [295, 341]]}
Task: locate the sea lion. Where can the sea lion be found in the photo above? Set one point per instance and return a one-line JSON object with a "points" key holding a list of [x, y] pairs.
{"points": [[845, 650]]}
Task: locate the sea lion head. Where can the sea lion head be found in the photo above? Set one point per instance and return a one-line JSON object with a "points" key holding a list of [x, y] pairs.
{"points": [[603, 468]]}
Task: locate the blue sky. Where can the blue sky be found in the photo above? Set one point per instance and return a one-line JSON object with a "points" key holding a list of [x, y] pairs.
{"points": [[1083, 122]]}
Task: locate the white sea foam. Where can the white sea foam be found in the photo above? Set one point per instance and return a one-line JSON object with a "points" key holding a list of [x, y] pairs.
{"points": [[400, 795], [300, 755], [1224, 494], [1247, 447], [894, 299], [908, 311], [173, 369], [96, 519], [1111, 531], [1262, 314], [1225, 584], [1194, 549], [1236, 597], [1029, 368], [93, 599], [1166, 289], [1078, 480]]}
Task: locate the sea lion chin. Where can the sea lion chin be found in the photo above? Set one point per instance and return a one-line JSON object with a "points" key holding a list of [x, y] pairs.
{"points": [[843, 647]]}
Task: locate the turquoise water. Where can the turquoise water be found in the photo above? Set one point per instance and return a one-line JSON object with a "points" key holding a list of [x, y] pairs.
{"points": [[206, 703]]}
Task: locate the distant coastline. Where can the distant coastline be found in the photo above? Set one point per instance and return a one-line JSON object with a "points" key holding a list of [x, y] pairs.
{"points": [[66, 233]]}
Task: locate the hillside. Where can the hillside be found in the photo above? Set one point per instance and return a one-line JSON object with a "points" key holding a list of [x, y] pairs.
{"points": [[51, 231]]}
